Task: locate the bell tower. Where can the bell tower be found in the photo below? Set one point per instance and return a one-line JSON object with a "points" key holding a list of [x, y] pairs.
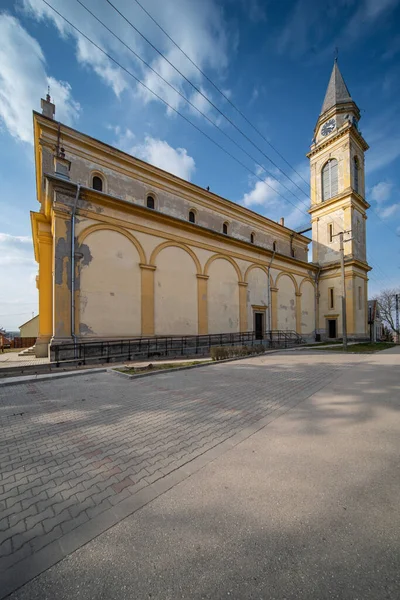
{"points": [[338, 205]]}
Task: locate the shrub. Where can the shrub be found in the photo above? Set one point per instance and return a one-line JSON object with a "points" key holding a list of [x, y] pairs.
{"points": [[223, 352]]}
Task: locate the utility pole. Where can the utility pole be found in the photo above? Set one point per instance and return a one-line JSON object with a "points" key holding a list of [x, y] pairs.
{"points": [[397, 318], [344, 316]]}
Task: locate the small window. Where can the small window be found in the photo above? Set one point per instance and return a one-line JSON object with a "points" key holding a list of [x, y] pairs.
{"points": [[252, 238], [97, 183], [330, 179], [331, 298], [330, 232], [356, 167], [359, 297], [150, 202], [225, 228], [274, 246], [293, 252], [192, 216]]}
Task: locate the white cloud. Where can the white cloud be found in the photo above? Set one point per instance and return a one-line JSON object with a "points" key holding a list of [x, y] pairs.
{"points": [[23, 81], [263, 194], [156, 152], [389, 211], [381, 191], [160, 154], [18, 294], [198, 27]]}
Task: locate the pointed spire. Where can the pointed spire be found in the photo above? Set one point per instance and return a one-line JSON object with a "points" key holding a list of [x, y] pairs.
{"points": [[337, 91]]}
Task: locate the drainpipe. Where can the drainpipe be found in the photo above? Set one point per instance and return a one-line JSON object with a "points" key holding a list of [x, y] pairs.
{"points": [[269, 291], [78, 189], [316, 303]]}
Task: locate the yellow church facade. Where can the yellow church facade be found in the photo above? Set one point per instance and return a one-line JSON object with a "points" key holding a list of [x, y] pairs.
{"points": [[125, 249]]}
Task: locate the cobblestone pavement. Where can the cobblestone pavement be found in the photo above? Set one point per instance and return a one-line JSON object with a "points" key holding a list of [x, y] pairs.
{"points": [[73, 448]]}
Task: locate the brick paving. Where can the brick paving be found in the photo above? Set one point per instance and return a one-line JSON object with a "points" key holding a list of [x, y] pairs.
{"points": [[72, 448]]}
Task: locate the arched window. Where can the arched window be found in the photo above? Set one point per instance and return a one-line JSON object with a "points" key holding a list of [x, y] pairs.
{"points": [[150, 202], [252, 238], [274, 247], [225, 228], [356, 167], [97, 183], [330, 179], [192, 216]]}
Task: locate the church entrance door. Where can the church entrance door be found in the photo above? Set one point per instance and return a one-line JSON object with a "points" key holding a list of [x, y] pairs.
{"points": [[259, 325], [332, 333]]}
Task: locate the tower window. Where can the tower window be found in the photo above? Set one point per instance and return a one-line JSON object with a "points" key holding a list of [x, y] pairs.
{"points": [[97, 183], [356, 167], [330, 232], [192, 216], [274, 246], [330, 179], [331, 298], [225, 228], [150, 202], [252, 238]]}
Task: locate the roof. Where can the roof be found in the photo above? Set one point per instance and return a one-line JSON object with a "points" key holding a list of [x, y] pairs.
{"points": [[337, 91], [40, 118], [32, 319]]}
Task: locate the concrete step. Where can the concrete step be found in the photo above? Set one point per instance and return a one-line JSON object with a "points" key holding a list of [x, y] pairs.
{"points": [[27, 352]]}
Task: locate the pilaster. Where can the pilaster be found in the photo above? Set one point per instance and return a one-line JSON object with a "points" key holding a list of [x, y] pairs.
{"points": [[147, 299], [44, 284], [242, 306], [298, 312], [202, 303], [274, 307]]}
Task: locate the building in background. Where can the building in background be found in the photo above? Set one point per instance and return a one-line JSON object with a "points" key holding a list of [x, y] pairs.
{"points": [[126, 249], [30, 329]]}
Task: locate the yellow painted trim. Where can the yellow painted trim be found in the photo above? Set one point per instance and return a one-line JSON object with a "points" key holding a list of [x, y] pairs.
{"points": [[298, 312], [211, 248], [202, 304], [259, 307], [184, 247], [304, 280], [147, 299], [274, 308], [93, 228], [258, 266], [223, 257], [89, 148], [296, 287], [242, 306]]}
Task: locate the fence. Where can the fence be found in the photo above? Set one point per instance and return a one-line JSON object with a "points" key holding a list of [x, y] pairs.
{"points": [[23, 342], [155, 347]]}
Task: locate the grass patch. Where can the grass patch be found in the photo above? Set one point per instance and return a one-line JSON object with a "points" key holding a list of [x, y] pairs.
{"points": [[152, 367], [322, 344], [11, 350], [363, 347]]}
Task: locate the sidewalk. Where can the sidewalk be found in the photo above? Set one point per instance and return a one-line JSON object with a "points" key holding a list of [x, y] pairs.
{"points": [[307, 508]]}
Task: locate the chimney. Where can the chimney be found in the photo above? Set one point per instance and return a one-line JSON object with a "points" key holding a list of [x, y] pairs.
{"points": [[48, 108], [62, 166], [282, 221]]}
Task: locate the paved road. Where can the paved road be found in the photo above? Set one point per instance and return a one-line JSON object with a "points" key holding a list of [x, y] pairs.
{"points": [[90, 444]]}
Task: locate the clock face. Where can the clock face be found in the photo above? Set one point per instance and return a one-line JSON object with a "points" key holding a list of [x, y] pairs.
{"points": [[328, 127]]}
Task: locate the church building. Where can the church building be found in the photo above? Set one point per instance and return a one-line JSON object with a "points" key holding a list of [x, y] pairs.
{"points": [[126, 249]]}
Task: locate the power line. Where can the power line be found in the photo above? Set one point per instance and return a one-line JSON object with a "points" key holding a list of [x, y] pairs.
{"points": [[190, 103], [232, 104], [169, 105], [221, 92], [206, 98], [172, 108], [212, 103]]}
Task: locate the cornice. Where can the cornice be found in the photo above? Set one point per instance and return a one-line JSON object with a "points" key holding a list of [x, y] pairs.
{"points": [[348, 128], [135, 168], [347, 194]]}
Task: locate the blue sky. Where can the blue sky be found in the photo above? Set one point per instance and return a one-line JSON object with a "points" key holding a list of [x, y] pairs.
{"points": [[273, 60]]}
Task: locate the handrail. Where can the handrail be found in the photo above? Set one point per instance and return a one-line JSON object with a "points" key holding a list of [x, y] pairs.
{"points": [[168, 345]]}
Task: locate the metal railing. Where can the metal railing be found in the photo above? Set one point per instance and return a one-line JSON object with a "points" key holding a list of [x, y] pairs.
{"points": [[159, 346]]}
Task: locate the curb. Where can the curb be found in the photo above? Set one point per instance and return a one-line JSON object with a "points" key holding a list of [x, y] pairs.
{"points": [[204, 364], [47, 376]]}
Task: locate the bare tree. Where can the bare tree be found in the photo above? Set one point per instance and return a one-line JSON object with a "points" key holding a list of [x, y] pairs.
{"points": [[387, 306]]}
